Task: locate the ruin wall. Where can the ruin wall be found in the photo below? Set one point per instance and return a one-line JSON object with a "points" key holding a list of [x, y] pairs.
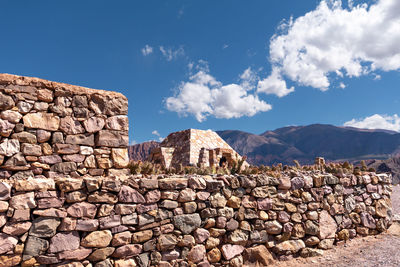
{"points": [[228, 220], [67, 199], [50, 129]]}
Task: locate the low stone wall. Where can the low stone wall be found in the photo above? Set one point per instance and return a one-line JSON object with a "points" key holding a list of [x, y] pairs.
{"points": [[53, 128], [186, 220]]}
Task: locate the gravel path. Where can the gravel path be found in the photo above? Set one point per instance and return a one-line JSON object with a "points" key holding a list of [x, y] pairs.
{"points": [[381, 250]]}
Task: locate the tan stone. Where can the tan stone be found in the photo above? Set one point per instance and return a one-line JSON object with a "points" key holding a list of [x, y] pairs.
{"points": [[97, 239], [125, 263], [258, 255], [234, 202], [101, 254], [214, 255], [143, 236], [10, 260], [104, 163], [327, 224], [45, 95], [45, 121], [120, 157], [37, 184]]}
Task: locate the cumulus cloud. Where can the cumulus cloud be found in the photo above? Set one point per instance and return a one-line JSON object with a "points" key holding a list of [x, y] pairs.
{"points": [[171, 54], [274, 85], [377, 121], [203, 95], [334, 40], [147, 50]]}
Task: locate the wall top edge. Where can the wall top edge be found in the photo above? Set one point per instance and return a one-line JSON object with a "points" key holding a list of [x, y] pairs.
{"points": [[11, 79]]}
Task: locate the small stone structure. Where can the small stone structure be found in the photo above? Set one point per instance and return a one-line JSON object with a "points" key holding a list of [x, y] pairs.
{"points": [[49, 128], [193, 147]]}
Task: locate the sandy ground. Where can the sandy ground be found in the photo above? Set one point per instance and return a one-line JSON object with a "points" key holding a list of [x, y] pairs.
{"points": [[371, 251]]}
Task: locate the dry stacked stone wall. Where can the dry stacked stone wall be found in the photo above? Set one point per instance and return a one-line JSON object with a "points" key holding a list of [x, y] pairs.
{"points": [[51, 129], [186, 220]]}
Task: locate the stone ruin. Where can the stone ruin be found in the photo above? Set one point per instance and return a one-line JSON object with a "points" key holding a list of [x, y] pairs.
{"points": [[67, 200], [51, 129], [193, 147]]}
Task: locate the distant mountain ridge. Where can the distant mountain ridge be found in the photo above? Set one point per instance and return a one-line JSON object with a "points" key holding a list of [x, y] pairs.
{"points": [[141, 151], [302, 143]]}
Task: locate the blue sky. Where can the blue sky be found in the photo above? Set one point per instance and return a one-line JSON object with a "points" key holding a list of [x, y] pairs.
{"points": [[180, 62]]}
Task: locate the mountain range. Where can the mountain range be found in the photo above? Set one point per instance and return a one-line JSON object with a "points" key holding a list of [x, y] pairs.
{"points": [[303, 143]]}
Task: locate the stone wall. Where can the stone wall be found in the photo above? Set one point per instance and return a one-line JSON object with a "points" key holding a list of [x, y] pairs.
{"points": [[49, 128], [187, 220]]}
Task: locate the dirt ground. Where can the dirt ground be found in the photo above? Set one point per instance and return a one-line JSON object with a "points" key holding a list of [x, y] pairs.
{"points": [[371, 251]]}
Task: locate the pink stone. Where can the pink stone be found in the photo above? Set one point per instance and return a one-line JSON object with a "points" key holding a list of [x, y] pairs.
{"points": [[7, 243], [221, 222], [127, 251], [153, 196], [78, 254], [51, 159], [67, 224], [249, 202], [128, 194], [51, 212], [17, 229], [42, 136], [71, 126], [283, 217], [201, 235], [110, 221], [64, 241], [5, 191], [202, 195], [284, 183], [197, 253], [52, 202], [23, 201], [87, 225], [3, 219], [372, 188], [94, 124], [327, 225], [142, 208], [74, 158], [230, 251], [367, 220], [82, 209], [264, 203], [21, 215], [119, 122]]}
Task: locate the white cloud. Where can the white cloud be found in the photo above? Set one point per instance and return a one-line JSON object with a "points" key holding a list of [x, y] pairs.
{"points": [[274, 85], [342, 85], [171, 54], [147, 50], [155, 132], [334, 40], [225, 46], [204, 96], [248, 79], [377, 121]]}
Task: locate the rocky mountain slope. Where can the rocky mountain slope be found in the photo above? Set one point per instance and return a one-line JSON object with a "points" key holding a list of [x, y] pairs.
{"points": [[304, 143], [141, 151]]}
